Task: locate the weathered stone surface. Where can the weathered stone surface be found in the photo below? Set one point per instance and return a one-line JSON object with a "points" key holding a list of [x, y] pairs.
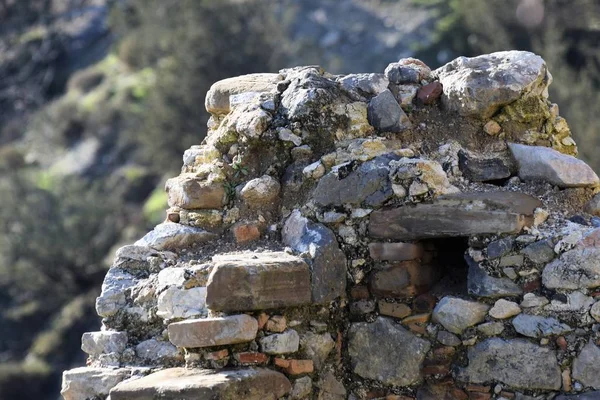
{"points": [[407, 70], [421, 176], [86, 383], [96, 343], [346, 184], [375, 354], [172, 236], [330, 388], [213, 331], [539, 252], [395, 251], [202, 384], [261, 191], [157, 351], [491, 328], [536, 326], [575, 269], [281, 343], [302, 388], [328, 267], [316, 346], [515, 362], [586, 367], [386, 115], [481, 284], [503, 309], [403, 279], [582, 396], [538, 163], [593, 206], [176, 302], [448, 339], [217, 98], [456, 314], [500, 247], [531, 300], [462, 214], [256, 281], [396, 310], [479, 86], [365, 84], [191, 192], [483, 169], [116, 283]]}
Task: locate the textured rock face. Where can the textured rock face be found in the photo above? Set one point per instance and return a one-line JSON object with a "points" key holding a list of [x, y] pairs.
{"points": [[405, 235], [456, 314], [544, 164], [213, 331], [171, 236], [258, 281], [516, 362], [198, 384], [84, 383], [479, 86], [328, 267], [375, 354]]}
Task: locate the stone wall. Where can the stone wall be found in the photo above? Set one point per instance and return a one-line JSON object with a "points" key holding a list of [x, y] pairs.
{"points": [[415, 234]]}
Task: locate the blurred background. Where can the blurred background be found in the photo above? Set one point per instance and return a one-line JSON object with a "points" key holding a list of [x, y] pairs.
{"points": [[99, 99]]}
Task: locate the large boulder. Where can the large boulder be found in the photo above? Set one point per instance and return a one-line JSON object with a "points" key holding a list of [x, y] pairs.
{"points": [[586, 367], [514, 362], [375, 353], [479, 86]]}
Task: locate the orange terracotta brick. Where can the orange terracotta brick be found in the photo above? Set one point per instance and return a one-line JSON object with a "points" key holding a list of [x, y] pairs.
{"points": [[252, 358], [420, 319], [295, 367], [561, 342], [508, 395], [246, 232], [479, 396], [458, 394], [438, 369]]}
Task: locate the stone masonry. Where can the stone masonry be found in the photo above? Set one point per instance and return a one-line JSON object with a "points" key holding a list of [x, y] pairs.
{"points": [[412, 234]]}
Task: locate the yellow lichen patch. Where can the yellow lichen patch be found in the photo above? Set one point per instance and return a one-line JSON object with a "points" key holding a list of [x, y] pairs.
{"points": [[358, 124], [206, 219]]}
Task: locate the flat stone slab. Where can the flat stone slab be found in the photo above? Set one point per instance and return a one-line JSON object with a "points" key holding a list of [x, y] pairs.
{"points": [[515, 362], [257, 281], [172, 236], [462, 214], [217, 98], [537, 163], [202, 384], [213, 331], [86, 382]]}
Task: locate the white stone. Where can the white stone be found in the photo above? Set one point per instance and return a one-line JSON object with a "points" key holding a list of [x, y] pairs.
{"points": [[104, 342], [176, 302], [315, 170], [503, 309], [85, 382], [281, 343]]}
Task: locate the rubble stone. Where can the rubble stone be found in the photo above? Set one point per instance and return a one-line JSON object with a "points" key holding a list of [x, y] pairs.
{"points": [[456, 314], [213, 331]]}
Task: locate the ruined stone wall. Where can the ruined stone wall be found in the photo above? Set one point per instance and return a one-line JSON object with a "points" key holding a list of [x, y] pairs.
{"points": [[415, 234]]}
